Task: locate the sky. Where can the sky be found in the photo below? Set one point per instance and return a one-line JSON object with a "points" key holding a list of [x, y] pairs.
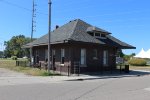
{"points": [[127, 20]]}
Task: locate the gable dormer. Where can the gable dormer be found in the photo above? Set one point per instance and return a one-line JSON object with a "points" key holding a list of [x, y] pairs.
{"points": [[97, 32]]}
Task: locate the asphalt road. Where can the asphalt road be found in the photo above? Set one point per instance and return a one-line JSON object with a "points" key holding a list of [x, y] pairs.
{"points": [[125, 88]]}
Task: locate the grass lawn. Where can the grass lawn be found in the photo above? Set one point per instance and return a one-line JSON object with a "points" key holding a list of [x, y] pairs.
{"points": [[140, 68], [11, 64]]}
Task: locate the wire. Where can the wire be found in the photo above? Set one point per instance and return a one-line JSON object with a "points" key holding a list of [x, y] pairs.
{"points": [[18, 6], [12, 4], [68, 10]]}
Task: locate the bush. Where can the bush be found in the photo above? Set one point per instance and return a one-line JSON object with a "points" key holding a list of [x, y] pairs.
{"points": [[14, 57], [138, 62]]}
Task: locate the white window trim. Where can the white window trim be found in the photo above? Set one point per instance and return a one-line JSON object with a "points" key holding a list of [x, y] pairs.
{"points": [[99, 36], [84, 58], [95, 57], [62, 54], [105, 58], [46, 53], [53, 52]]}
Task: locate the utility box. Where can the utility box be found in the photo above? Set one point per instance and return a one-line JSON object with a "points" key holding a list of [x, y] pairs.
{"points": [[126, 69]]}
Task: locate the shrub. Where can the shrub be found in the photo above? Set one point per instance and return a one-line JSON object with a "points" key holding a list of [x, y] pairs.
{"points": [[14, 57], [137, 62]]}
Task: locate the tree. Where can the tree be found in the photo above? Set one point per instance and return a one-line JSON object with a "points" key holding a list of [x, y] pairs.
{"points": [[128, 57], [1, 54], [120, 53], [13, 46]]}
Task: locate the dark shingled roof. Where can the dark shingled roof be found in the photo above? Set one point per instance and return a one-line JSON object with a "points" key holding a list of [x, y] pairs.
{"points": [[96, 29], [112, 41], [76, 30]]}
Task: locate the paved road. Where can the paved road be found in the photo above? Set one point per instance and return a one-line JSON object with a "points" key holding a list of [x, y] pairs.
{"points": [[117, 88]]}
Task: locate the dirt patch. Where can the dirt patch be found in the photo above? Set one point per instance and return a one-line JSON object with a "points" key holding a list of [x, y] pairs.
{"points": [[7, 73]]}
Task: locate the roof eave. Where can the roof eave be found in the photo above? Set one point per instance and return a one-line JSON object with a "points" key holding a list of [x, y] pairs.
{"points": [[42, 44], [126, 47]]}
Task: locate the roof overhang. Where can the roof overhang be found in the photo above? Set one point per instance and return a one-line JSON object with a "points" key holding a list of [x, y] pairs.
{"points": [[29, 45]]}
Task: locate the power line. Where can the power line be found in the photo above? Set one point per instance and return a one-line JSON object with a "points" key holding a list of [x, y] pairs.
{"points": [[21, 7], [12, 4]]}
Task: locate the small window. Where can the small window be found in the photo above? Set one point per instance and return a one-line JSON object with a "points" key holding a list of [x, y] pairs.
{"points": [[53, 52], [91, 34], [53, 55], [97, 34], [95, 54], [37, 52], [103, 35], [46, 55], [62, 56]]}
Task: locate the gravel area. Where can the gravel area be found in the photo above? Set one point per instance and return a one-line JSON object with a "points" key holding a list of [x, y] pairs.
{"points": [[8, 73]]}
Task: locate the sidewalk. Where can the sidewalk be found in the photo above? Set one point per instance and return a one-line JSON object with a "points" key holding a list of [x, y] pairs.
{"points": [[19, 79]]}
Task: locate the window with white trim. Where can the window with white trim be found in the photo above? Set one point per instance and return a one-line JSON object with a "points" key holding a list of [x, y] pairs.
{"points": [[98, 35], [53, 52], [62, 56], [46, 55], [83, 57], [95, 54], [105, 57]]}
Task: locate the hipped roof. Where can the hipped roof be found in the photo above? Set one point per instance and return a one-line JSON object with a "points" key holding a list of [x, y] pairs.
{"points": [[76, 30]]}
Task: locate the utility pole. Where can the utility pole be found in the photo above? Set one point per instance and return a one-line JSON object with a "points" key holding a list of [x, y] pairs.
{"points": [[49, 36], [32, 29]]}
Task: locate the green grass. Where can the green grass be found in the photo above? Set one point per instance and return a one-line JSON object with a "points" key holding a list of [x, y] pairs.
{"points": [[11, 64]]}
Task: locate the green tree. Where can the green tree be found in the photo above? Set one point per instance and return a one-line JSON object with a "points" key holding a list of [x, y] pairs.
{"points": [[128, 57], [120, 53], [1, 54], [13, 46]]}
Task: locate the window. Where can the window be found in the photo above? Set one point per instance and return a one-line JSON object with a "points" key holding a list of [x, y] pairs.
{"points": [[37, 52], [53, 57], [105, 58], [83, 56], [103, 35], [95, 54], [97, 34], [53, 52], [37, 56], [62, 56], [46, 55], [91, 34]]}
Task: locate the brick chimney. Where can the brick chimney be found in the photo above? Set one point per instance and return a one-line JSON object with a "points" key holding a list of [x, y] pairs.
{"points": [[57, 26]]}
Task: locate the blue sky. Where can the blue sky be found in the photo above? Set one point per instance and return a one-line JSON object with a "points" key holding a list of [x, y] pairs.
{"points": [[128, 20]]}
